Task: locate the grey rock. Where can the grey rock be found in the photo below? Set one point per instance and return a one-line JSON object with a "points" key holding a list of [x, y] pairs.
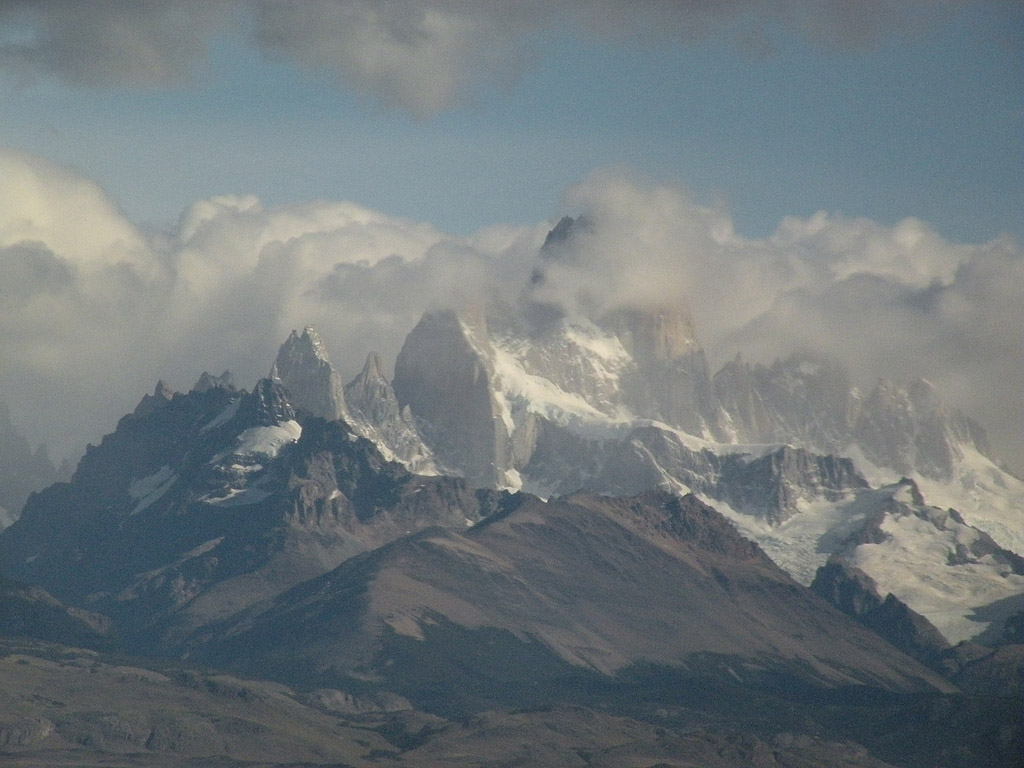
{"points": [[855, 593], [444, 376], [377, 416], [303, 368]]}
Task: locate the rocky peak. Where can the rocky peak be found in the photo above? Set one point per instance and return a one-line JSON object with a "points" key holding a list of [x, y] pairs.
{"points": [[910, 429], [208, 381], [267, 406], [303, 368], [809, 401], [653, 334], [444, 375], [370, 386], [161, 396], [377, 416], [566, 228]]}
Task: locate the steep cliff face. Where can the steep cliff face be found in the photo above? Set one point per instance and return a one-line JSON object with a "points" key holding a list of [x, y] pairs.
{"points": [[810, 402], [303, 368], [909, 429], [776, 485], [670, 380], [376, 415], [444, 375], [803, 400]]}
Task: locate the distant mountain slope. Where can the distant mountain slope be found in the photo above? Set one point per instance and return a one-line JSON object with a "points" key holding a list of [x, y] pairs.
{"points": [[22, 469], [62, 707], [527, 596], [31, 612]]}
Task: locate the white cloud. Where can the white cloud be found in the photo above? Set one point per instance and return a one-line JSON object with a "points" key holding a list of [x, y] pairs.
{"points": [[888, 301], [41, 202], [95, 311]]}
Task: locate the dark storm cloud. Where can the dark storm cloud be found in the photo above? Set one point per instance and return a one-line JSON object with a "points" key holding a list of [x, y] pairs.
{"points": [[424, 57]]}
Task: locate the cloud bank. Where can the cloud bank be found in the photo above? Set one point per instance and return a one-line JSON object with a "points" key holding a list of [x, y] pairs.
{"points": [[423, 57], [95, 310]]}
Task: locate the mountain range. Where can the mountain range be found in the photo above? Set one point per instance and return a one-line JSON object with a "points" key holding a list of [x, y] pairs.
{"points": [[559, 516]]}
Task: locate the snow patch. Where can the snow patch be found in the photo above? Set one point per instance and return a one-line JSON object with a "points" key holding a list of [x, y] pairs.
{"points": [[802, 543], [513, 481], [224, 416], [603, 346], [527, 392], [238, 497], [149, 489], [918, 561], [266, 442], [987, 497], [913, 564]]}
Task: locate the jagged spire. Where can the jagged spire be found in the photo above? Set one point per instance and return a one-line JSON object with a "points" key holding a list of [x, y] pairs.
{"points": [[162, 395], [208, 381], [303, 368]]}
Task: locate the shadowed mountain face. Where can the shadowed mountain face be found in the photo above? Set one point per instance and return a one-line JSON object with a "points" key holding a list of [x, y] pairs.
{"points": [[581, 587], [201, 504], [28, 611]]}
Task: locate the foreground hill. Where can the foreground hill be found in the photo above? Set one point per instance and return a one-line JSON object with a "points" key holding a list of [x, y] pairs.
{"points": [[62, 706], [549, 590]]}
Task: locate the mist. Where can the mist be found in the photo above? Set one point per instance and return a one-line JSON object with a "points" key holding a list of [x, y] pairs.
{"points": [[97, 310]]}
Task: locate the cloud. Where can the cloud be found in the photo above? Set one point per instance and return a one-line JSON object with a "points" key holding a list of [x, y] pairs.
{"points": [[145, 43], [96, 310], [422, 57], [898, 301]]}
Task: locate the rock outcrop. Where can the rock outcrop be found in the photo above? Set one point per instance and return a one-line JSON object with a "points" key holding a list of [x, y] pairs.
{"points": [[855, 593], [303, 368]]}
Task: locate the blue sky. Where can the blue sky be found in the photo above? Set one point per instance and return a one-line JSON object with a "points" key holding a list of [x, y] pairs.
{"points": [[705, 135], [923, 118]]}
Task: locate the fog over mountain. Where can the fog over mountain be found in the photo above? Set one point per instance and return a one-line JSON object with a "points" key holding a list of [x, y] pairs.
{"points": [[96, 309]]}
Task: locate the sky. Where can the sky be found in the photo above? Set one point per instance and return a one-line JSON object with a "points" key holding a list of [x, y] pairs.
{"points": [[181, 184]]}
